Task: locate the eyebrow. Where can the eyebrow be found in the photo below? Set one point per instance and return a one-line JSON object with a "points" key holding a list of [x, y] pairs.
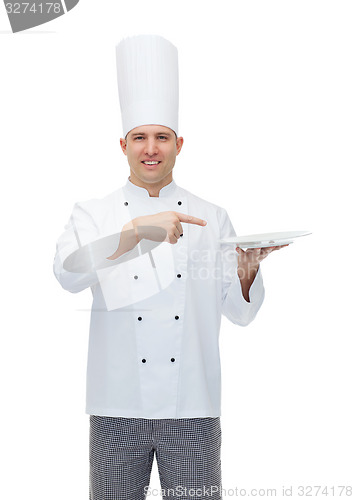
{"points": [[158, 133]]}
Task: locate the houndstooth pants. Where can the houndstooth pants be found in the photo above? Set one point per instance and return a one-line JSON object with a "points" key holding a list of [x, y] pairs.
{"points": [[187, 453]]}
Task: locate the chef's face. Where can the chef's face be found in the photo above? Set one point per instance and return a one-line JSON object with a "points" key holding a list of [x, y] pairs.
{"points": [[151, 151]]}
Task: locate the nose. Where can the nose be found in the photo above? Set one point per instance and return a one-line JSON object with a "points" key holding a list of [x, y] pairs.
{"points": [[151, 148]]}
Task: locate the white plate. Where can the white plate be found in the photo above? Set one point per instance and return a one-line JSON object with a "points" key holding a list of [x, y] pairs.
{"points": [[265, 239]]}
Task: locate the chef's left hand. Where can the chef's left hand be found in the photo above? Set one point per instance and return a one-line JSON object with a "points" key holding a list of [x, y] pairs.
{"points": [[249, 260], [248, 264]]}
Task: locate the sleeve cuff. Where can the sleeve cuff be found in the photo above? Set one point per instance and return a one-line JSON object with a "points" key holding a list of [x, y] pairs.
{"points": [[256, 291]]}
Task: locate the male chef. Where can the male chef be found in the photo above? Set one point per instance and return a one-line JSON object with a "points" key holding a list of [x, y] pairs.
{"points": [[161, 277]]}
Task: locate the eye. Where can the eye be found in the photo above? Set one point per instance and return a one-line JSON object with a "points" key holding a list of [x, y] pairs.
{"points": [[138, 138], [163, 137]]}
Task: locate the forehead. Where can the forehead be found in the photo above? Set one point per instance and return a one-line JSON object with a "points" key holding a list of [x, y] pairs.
{"points": [[150, 130]]}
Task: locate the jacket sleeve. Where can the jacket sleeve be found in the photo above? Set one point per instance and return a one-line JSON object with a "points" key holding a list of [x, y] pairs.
{"points": [[80, 230], [234, 306]]}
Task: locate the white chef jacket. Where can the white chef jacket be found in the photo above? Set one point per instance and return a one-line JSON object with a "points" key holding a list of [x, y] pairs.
{"points": [[156, 313]]}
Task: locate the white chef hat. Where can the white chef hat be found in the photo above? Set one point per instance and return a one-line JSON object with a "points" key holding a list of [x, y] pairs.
{"points": [[147, 67]]}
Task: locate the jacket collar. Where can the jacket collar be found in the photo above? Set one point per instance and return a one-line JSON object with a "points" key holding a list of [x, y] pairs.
{"points": [[144, 193]]}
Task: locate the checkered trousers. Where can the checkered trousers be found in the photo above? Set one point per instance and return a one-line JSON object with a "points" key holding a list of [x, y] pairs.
{"points": [[187, 453]]}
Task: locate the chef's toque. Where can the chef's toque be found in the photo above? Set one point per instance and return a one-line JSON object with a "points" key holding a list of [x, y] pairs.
{"points": [[147, 68]]}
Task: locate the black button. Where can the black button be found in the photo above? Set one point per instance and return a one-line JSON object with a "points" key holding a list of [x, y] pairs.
{"points": [[135, 277], [179, 275], [179, 203], [173, 360], [140, 318], [176, 317], [125, 203], [143, 360]]}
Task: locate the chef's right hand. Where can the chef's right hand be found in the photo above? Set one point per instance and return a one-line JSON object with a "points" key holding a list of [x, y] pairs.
{"points": [[163, 226]]}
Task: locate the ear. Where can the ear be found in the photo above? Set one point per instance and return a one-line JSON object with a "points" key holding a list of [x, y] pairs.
{"points": [[123, 145], [179, 144]]}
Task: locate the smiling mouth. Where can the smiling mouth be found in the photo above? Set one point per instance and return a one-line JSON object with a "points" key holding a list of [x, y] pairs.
{"points": [[151, 163]]}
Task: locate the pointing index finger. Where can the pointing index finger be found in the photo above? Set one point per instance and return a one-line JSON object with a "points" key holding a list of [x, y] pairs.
{"points": [[190, 219]]}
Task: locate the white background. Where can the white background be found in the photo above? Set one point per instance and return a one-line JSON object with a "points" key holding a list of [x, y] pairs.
{"points": [[266, 110]]}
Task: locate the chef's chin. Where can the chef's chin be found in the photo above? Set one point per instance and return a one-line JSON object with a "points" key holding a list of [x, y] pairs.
{"points": [[152, 175]]}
